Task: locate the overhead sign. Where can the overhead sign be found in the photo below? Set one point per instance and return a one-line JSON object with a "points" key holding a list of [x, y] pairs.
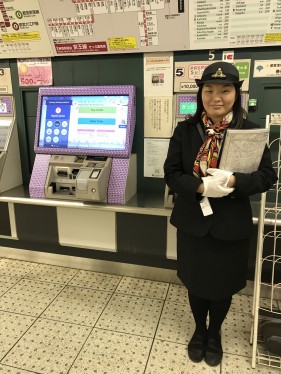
{"points": [[90, 27], [234, 24], [22, 30]]}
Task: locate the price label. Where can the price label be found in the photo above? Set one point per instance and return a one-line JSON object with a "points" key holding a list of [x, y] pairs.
{"points": [[35, 72], [188, 86]]}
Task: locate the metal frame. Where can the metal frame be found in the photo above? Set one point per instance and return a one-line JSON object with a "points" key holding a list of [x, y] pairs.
{"points": [[270, 207]]}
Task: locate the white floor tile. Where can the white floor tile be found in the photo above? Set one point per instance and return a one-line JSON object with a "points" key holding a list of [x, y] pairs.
{"points": [[242, 303], [70, 321], [6, 283], [236, 334], [53, 274], [78, 305], [142, 287], [15, 268], [177, 293], [48, 347], [97, 281], [10, 370], [12, 327], [176, 323], [131, 314], [108, 352], [29, 297]]}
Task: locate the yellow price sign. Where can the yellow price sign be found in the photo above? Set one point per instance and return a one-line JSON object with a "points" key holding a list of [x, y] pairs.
{"points": [[20, 36], [122, 43], [276, 37]]}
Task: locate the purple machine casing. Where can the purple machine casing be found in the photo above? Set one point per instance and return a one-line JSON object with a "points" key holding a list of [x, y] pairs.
{"points": [[120, 158]]}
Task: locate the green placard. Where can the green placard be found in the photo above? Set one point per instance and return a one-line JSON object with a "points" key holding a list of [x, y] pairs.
{"points": [[243, 68], [253, 102], [187, 108]]}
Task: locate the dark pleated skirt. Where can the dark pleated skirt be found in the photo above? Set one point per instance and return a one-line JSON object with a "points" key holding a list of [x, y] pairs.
{"points": [[211, 268]]}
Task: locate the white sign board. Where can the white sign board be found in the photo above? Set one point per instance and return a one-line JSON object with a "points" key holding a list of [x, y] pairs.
{"points": [[23, 32], [87, 27], [267, 68], [234, 24], [155, 154]]}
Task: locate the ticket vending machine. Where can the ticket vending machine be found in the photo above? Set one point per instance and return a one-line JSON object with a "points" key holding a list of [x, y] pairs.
{"points": [[83, 143], [10, 164]]}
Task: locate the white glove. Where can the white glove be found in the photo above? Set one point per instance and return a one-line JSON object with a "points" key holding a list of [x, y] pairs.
{"points": [[214, 186], [220, 173]]}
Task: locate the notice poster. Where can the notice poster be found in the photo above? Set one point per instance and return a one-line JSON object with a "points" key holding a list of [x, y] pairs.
{"points": [[155, 153], [187, 71], [23, 32], [267, 68], [87, 27], [158, 94], [35, 72], [158, 117], [232, 23], [158, 74]]}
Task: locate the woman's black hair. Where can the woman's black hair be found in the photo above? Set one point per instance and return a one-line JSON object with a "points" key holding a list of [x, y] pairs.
{"points": [[238, 112]]}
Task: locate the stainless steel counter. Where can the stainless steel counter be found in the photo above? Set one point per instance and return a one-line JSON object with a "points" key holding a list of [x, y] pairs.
{"points": [[152, 204]]}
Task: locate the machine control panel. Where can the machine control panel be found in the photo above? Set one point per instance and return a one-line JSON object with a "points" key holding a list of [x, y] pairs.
{"points": [[78, 177]]}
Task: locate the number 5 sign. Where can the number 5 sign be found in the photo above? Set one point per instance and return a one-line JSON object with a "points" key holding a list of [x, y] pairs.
{"points": [[179, 72]]}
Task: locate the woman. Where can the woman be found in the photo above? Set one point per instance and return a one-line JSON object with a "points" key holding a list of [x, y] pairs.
{"points": [[212, 211]]}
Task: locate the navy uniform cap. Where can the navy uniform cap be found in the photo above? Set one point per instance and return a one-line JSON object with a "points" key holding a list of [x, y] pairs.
{"points": [[220, 72]]}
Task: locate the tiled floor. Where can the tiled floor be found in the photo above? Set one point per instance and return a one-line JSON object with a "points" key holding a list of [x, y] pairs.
{"points": [[61, 320]]}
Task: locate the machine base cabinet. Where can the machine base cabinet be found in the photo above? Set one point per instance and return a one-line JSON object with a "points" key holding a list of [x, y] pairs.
{"points": [[87, 228]]}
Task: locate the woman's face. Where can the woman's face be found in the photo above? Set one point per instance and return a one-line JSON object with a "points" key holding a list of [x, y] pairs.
{"points": [[218, 100]]}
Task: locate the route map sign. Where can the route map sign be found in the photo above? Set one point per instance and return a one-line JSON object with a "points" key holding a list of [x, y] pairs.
{"points": [[22, 30], [116, 26]]}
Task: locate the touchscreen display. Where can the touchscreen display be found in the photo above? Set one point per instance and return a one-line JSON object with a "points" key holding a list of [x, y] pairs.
{"points": [[83, 122]]}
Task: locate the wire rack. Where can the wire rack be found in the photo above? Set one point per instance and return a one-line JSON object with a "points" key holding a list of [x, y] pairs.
{"points": [[268, 259]]}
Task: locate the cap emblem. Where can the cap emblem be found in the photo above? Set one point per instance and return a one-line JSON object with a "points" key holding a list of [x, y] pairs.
{"points": [[218, 74]]}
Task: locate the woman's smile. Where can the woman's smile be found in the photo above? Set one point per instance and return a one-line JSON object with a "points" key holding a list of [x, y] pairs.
{"points": [[218, 100]]}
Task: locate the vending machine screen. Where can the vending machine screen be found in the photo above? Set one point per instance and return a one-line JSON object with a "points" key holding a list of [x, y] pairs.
{"points": [[85, 124]]}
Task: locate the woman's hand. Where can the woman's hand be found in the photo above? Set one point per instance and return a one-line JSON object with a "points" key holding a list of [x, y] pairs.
{"points": [[215, 186], [228, 177]]}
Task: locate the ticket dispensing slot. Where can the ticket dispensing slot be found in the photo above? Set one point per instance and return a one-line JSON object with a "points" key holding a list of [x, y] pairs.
{"points": [[78, 178]]}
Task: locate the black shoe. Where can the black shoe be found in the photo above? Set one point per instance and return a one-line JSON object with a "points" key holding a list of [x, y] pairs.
{"points": [[214, 353], [197, 346]]}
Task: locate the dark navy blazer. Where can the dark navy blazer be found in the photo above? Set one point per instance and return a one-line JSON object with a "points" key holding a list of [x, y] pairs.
{"points": [[232, 215]]}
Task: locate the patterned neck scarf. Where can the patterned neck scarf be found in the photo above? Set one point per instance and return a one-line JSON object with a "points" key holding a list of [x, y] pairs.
{"points": [[207, 156]]}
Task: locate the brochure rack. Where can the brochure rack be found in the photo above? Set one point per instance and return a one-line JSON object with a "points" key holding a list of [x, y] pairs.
{"points": [[266, 328]]}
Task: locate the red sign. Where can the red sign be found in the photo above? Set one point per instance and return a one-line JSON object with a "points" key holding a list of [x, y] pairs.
{"points": [[87, 47]]}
